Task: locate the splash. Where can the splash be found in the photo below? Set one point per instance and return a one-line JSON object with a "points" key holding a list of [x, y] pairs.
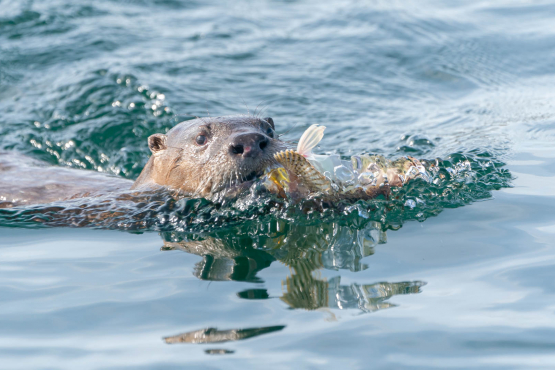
{"points": [[455, 181]]}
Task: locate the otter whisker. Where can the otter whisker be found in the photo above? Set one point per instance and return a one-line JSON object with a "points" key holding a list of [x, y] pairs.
{"points": [[288, 131], [264, 104], [256, 109], [246, 106]]}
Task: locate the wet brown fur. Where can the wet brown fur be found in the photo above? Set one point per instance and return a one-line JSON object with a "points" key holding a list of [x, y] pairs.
{"points": [[179, 163]]}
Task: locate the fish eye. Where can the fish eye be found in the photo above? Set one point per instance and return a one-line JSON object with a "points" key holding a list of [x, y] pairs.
{"points": [[201, 139], [270, 132]]}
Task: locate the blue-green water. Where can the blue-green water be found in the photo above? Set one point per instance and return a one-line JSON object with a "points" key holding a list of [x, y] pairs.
{"points": [[462, 279]]}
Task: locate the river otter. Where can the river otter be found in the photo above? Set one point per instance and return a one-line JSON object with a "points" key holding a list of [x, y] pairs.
{"points": [[199, 157], [210, 158]]}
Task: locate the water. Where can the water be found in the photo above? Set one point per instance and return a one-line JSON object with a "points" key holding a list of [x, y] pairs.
{"points": [[451, 275]]}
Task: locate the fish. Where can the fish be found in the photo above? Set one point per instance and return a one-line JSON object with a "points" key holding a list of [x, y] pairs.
{"points": [[296, 163], [305, 171], [364, 177]]}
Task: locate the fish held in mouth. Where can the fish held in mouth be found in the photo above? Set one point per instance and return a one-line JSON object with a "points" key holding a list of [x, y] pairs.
{"points": [[364, 176]]}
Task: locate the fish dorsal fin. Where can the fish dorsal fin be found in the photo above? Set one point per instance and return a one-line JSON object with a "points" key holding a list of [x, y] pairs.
{"points": [[311, 137]]}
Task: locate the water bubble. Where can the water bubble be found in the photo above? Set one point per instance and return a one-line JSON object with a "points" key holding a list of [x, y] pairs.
{"points": [[363, 212], [410, 203], [68, 145], [325, 163], [367, 179], [35, 143], [344, 174], [357, 163]]}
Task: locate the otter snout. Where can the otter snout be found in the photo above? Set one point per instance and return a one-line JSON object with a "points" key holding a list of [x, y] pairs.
{"points": [[248, 144]]}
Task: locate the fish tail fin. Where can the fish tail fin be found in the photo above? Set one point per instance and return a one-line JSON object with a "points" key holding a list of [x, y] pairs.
{"points": [[311, 137]]}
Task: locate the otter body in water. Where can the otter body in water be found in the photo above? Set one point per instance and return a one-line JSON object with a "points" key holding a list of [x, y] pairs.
{"points": [[26, 181], [198, 158]]}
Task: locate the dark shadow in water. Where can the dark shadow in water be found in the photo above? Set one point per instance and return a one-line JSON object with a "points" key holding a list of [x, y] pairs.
{"points": [[213, 335], [254, 294], [216, 351], [224, 261]]}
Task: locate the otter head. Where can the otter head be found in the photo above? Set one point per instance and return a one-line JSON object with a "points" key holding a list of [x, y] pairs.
{"points": [[204, 156]]}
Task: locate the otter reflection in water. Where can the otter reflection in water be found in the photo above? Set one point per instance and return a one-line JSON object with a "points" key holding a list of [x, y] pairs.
{"points": [[213, 335], [305, 250], [240, 254]]}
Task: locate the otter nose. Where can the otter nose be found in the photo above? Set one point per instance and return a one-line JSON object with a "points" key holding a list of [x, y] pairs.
{"points": [[248, 145]]}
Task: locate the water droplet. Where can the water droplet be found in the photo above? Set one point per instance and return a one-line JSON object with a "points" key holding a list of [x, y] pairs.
{"points": [[343, 174]]}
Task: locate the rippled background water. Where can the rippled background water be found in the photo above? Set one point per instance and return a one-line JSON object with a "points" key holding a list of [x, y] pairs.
{"points": [[85, 85]]}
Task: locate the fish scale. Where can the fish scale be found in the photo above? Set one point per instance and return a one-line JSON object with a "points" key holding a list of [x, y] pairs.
{"points": [[300, 166]]}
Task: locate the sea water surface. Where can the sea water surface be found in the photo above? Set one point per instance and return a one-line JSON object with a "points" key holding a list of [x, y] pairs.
{"points": [[457, 274]]}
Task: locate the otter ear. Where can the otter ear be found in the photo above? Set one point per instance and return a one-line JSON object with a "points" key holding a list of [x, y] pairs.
{"points": [[157, 142], [270, 121]]}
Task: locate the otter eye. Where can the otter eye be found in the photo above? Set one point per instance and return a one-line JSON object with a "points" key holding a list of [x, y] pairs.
{"points": [[201, 140], [270, 132]]}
